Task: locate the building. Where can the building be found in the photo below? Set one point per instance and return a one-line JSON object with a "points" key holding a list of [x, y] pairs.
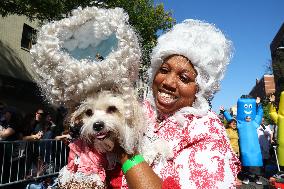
{"points": [[263, 87], [277, 56], [17, 34]]}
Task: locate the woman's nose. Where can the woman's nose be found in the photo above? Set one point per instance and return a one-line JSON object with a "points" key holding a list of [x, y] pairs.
{"points": [[169, 83]]}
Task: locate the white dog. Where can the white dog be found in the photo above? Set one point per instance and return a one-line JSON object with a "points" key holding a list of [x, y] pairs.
{"points": [[103, 123]]}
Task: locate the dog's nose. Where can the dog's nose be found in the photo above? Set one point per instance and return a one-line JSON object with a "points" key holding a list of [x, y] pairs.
{"points": [[98, 126]]}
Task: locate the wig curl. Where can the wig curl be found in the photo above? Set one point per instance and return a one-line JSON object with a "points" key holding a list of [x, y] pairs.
{"points": [[208, 50], [94, 48]]}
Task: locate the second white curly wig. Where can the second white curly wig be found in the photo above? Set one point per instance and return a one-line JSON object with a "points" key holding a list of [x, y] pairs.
{"points": [[208, 50], [65, 60]]}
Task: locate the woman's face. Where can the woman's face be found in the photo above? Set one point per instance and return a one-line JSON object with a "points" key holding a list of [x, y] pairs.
{"points": [[174, 85], [233, 125]]}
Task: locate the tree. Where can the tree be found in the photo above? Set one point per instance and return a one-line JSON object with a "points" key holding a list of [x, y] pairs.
{"points": [[266, 116], [268, 67], [146, 18]]}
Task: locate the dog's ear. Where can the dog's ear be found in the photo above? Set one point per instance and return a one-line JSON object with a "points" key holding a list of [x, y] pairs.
{"points": [[74, 130]]}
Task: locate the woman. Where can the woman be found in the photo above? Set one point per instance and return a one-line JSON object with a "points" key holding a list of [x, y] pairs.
{"points": [[10, 124], [186, 66], [232, 132]]}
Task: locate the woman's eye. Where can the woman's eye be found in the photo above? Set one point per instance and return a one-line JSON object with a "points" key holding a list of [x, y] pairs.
{"points": [[164, 70], [184, 79]]}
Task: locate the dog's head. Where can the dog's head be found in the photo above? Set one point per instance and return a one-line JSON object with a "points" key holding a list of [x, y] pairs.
{"points": [[104, 123]]}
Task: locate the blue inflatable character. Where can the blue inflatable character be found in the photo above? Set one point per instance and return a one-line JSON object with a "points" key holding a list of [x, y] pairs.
{"points": [[249, 116]]}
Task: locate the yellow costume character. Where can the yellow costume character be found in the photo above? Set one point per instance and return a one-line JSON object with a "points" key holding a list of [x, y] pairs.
{"points": [[278, 118]]}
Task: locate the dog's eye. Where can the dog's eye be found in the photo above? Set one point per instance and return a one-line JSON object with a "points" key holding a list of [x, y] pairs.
{"points": [[89, 112], [111, 109]]}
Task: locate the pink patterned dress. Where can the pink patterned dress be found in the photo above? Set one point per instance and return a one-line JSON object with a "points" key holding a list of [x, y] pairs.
{"points": [[203, 157], [85, 168]]}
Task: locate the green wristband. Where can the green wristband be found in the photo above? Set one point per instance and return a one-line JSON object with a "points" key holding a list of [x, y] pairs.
{"points": [[128, 164]]}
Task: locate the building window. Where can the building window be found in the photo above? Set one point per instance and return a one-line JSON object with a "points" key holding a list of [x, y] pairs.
{"points": [[28, 37], [282, 43]]}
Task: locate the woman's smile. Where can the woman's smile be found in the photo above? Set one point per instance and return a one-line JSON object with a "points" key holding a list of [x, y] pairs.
{"points": [[166, 98], [174, 85]]}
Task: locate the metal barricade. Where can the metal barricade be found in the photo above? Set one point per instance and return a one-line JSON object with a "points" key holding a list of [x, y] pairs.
{"points": [[21, 161]]}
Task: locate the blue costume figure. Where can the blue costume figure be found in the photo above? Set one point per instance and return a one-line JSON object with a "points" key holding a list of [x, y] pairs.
{"points": [[249, 116]]}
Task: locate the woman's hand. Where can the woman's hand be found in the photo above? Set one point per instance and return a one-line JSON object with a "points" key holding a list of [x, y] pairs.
{"points": [[38, 136], [272, 98], [121, 154], [222, 109], [257, 100]]}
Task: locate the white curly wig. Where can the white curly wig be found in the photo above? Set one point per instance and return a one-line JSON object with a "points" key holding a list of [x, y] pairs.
{"points": [[79, 55], [208, 50]]}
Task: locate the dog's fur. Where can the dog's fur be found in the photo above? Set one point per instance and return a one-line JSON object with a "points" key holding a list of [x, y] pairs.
{"points": [[104, 123]]}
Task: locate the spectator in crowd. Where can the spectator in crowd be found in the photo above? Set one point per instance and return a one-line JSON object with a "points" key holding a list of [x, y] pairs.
{"points": [[33, 131], [232, 133], [48, 133], [48, 127], [265, 136], [39, 120], [28, 134], [28, 131], [9, 152], [9, 125]]}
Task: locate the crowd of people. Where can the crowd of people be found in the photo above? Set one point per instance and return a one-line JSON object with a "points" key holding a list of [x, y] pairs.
{"points": [[31, 126], [15, 134]]}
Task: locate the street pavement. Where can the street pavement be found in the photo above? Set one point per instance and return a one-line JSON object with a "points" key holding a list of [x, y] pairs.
{"points": [[253, 185]]}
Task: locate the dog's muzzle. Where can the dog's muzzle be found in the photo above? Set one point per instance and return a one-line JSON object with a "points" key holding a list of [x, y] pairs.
{"points": [[98, 126]]}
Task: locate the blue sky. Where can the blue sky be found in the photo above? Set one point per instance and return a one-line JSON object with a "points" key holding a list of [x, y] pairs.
{"points": [[250, 24]]}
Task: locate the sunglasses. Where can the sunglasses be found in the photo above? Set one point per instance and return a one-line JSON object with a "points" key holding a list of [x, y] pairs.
{"points": [[41, 113]]}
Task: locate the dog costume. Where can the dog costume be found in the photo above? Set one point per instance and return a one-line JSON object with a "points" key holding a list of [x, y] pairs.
{"points": [[278, 118], [249, 143], [77, 57]]}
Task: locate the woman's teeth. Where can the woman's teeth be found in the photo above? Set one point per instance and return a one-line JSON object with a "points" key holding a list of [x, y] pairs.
{"points": [[166, 98]]}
